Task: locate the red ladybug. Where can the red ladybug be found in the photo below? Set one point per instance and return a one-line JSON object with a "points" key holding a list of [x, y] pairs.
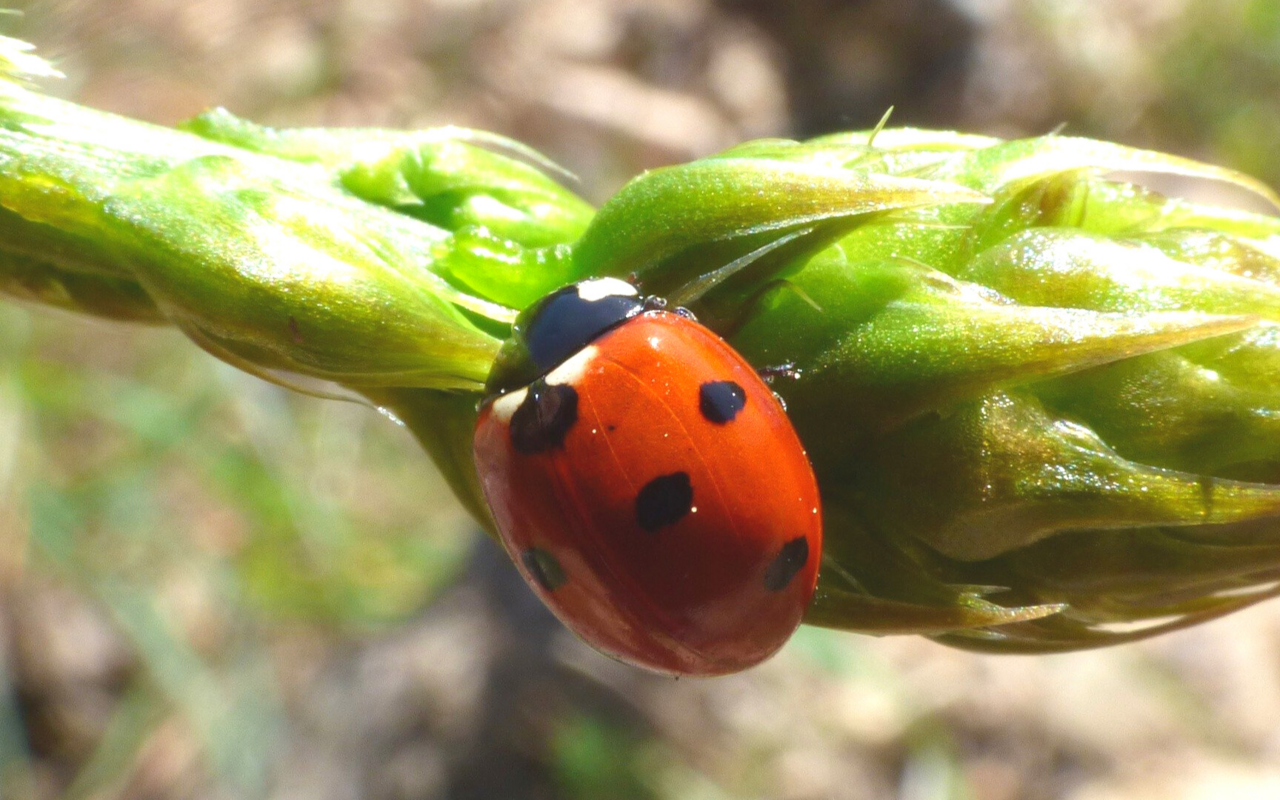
{"points": [[647, 483]]}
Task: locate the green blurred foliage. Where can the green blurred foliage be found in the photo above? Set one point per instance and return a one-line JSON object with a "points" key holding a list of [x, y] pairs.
{"points": [[207, 514], [1219, 74]]}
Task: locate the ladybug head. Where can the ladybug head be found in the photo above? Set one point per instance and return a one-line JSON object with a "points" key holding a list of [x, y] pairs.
{"points": [[559, 325]]}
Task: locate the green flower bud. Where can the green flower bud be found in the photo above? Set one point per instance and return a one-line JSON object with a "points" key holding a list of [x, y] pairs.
{"points": [[270, 262], [449, 177], [1041, 422]]}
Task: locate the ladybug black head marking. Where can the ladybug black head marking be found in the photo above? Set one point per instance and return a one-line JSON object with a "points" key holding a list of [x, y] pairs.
{"points": [[559, 325]]}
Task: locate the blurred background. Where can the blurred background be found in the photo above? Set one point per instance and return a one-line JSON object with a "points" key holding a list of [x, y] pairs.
{"points": [[212, 588]]}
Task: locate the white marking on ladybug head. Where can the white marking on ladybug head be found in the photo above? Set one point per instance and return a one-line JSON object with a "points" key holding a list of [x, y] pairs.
{"points": [[600, 288], [573, 368], [507, 404]]}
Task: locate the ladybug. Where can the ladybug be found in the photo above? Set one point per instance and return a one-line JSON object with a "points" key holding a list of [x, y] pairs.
{"points": [[647, 483]]}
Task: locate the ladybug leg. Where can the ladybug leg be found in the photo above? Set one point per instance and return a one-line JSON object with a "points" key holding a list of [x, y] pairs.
{"points": [[769, 374], [655, 303], [786, 369]]}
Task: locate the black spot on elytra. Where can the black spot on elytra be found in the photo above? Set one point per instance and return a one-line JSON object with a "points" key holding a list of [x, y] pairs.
{"points": [[794, 555], [664, 501], [721, 401], [544, 418], [544, 568]]}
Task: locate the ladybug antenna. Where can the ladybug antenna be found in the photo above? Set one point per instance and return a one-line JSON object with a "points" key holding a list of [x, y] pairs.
{"points": [[693, 291]]}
